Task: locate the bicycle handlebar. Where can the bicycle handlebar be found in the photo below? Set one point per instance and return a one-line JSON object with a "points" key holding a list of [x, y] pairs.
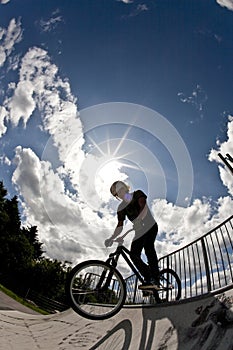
{"points": [[119, 240]]}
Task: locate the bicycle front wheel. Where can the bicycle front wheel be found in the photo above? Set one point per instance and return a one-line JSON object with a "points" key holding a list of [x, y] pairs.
{"points": [[95, 290], [170, 285]]}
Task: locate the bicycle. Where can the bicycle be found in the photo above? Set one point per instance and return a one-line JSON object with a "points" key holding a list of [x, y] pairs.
{"points": [[96, 289]]}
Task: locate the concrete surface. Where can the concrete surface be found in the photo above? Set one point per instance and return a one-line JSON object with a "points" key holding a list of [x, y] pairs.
{"points": [[7, 303], [205, 324]]}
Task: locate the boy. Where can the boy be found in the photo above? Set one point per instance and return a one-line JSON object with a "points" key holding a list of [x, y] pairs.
{"points": [[134, 207]]}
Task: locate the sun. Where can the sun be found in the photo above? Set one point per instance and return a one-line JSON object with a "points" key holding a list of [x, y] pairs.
{"points": [[108, 172], [109, 163]]}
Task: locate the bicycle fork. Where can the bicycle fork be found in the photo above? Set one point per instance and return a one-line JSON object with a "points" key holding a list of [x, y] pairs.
{"points": [[105, 280]]}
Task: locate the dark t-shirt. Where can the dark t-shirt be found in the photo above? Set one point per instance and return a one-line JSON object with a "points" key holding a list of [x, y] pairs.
{"points": [[131, 210]]}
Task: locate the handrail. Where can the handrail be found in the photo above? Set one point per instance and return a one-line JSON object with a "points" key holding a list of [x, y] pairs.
{"points": [[207, 262], [205, 234], [204, 265]]}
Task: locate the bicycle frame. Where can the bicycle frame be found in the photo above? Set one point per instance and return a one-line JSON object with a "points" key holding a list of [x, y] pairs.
{"points": [[97, 290], [113, 260]]}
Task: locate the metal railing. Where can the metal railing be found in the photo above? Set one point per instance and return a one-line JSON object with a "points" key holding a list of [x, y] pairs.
{"points": [[45, 303], [205, 265]]}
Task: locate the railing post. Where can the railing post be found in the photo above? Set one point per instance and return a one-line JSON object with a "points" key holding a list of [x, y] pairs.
{"points": [[135, 289], [168, 261], [224, 159], [207, 268]]}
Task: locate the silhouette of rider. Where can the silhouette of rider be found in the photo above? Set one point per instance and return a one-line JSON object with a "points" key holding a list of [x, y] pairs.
{"points": [[134, 207]]}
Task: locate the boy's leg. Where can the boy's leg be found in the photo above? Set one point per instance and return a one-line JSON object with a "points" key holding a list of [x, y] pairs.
{"points": [[136, 250], [151, 252]]}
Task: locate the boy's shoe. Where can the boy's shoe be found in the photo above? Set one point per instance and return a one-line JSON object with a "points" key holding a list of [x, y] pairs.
{"points": [[151, 284], [147, 293]]}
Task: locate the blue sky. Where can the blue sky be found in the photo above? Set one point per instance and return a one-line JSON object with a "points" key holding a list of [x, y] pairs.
{"points": [[92, 91]]}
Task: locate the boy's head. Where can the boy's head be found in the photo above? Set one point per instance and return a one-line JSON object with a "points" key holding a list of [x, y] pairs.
{"points": [[118, 189]]}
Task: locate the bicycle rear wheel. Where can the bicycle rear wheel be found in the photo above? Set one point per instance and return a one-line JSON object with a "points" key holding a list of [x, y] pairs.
{"points": [[95, 290], [170, 284]]}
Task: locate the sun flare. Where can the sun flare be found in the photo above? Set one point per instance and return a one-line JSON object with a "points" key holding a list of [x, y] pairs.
{"points": [[108, 173]]}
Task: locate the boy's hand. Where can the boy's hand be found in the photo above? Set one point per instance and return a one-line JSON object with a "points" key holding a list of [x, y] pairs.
{"points": [[119, 240], [108, 242]]}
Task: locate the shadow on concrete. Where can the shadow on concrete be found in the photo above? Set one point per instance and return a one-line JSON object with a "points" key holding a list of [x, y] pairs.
{"points": [[195, 324], [203, 324], [126, 326], [206, 323]]}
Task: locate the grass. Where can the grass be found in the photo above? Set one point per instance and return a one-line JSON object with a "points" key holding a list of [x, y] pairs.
{"points": [[21, 300]]}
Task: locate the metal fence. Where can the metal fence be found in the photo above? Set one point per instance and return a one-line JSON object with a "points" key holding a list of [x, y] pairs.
{"points": [[46, 304], [205, 265]]}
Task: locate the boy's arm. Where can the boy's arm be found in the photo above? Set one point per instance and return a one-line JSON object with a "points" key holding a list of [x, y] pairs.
{"points": [[117, 230], [116, 233]]}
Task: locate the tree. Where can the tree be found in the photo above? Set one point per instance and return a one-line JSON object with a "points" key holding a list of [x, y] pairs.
{"points": [[3, 214], [31, 234], [13, 218], [48, 278], [16, 251], [22, 265]]}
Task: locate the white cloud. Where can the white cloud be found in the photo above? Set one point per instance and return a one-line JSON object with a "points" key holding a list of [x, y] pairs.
{"points": [[68, 217], [22, 104], [5, 160], [3, 116], [226, 3], [136, 10], [4, 1], [69, 224], [224, 148], [8, 38], [51, 23], [140, 8], [126, 1], [40, 87], [197, 99], [60, 215], [53, 98], [178, 225], [13, 62]]}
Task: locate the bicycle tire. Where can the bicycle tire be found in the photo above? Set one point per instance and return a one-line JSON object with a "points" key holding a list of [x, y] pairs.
{"points": [[95, 290], [171, 285]]}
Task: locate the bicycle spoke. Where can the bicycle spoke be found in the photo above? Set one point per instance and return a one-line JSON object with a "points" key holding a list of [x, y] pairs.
{"points": [[96, 290], [171, 285]]}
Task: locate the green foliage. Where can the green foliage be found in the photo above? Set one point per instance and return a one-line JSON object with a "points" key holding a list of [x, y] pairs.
{"points": [[23, 265], [48, 278], [21, 300], [31, 234]]}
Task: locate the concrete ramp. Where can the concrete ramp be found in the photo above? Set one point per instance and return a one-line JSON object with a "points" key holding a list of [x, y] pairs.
{"points": [[205, 324]]}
